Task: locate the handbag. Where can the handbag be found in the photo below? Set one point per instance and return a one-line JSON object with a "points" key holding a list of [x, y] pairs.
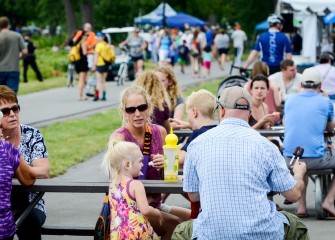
{"points": [[102, 226]]}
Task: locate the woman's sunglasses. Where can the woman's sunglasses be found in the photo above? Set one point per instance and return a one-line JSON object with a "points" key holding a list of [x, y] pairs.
{"points": [[140, 108], [6, 111]]}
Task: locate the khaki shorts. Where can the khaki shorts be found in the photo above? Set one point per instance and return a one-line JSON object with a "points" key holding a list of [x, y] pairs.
{"points": [[296, 230]]}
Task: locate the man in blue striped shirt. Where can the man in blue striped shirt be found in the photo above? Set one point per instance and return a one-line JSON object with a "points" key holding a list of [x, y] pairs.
{"points": [[230, 169]]}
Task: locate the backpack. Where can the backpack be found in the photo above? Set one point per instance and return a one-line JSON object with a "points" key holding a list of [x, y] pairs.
{"points": [[102, 227], [107, 54], [74, 54]]}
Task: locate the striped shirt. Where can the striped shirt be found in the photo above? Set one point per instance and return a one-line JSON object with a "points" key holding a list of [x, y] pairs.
{"points": [[234, 168]]}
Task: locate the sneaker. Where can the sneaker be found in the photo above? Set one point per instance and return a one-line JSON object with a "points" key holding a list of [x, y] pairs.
{"points": [[103, 99], [95, 99]]}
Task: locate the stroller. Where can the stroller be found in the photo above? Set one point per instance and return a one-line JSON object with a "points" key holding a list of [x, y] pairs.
{"points": [[234, 80], [122, 74]]}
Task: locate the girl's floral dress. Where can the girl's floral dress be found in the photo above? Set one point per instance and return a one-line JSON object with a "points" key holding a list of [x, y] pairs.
{"points": [[127, 222]]}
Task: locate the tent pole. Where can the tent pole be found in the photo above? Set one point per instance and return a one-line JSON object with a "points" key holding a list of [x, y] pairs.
{"points": [[164, 20]]}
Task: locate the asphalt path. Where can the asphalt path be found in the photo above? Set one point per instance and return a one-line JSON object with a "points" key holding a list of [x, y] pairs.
{"points": [[82, 209]]}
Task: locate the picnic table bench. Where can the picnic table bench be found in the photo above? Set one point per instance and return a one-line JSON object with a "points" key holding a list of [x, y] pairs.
{"points": [[49, 185]]}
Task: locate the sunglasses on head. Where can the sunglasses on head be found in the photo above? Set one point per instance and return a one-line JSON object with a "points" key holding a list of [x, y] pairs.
{"points": [[140, 108], [6, 111]]}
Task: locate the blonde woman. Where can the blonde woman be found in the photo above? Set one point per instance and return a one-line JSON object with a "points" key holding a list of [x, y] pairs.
{"points": [[159, 98], [136, 108], [169, 80]]}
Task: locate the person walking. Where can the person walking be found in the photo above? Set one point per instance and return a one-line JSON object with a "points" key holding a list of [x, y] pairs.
{"points": [[273, 45], [239, 39], [100, 67], [221, 45], [12, 47], [30, 59]]}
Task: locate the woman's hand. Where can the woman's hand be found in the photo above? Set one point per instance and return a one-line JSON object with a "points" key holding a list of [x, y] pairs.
{"points": [[178, 124], [158, 160], [268, 120]]}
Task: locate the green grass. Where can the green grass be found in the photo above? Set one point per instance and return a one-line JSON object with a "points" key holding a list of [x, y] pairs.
{"points": [[75, 140]]}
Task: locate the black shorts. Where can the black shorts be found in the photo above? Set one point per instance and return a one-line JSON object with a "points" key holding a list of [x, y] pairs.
{"points": [[102, 69], [137, 58], [223, 51]]}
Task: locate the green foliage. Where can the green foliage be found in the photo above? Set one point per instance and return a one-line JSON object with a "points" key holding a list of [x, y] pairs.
{"points": [[73, 141]]}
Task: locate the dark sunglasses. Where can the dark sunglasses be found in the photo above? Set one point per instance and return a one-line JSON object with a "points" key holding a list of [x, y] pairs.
{"points": [[6, 111], [140, 108]]}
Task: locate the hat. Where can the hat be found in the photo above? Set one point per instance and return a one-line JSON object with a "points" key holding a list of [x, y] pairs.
{"points": [[235, 97], [311, 76], [100, 34]]}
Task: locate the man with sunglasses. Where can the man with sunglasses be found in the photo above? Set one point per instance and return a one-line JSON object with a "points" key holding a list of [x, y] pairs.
{"points": [[12, 47], [230, 164], [30, 143]]}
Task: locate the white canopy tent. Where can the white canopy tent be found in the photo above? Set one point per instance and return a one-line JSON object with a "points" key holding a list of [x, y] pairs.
{"points": [[307, 11]]}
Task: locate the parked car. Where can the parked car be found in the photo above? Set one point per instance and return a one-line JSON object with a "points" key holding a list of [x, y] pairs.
{"points": [[121, 55]]}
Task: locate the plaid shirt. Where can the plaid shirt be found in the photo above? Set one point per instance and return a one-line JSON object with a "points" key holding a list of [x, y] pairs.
{"points": [[233, 168]]}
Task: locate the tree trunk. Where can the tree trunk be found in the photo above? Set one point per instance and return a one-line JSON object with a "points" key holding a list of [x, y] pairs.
{"points": [[86, 8], [70, 18]]}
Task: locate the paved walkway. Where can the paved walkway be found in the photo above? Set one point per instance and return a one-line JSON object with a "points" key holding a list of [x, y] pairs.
{"points": [[43, 108]]}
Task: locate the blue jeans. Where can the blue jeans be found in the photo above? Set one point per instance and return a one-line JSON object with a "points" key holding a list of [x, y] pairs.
{"points": [[31, 228], [11, 80]]}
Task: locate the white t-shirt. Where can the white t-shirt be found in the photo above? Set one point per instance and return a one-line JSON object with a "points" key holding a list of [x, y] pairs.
{"points": [[294, 86], [327, 72], [221, 41], [238, 37], [202, 37]]}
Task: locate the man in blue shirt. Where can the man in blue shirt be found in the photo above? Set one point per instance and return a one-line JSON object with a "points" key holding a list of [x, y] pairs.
{"points": [[306, 116], [230, 164], [209, 35], [273, 45]]}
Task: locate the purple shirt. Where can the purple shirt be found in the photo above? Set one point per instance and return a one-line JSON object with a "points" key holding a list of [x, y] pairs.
{"points": [[9, 162], [159, 117]]}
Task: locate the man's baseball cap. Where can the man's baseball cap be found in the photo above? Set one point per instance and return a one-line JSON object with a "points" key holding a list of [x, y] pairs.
{"points": [[311, 76], [100, 34], [235, 97]]}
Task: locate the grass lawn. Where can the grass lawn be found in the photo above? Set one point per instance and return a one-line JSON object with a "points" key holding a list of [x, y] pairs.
{"points": [[73, 141]]}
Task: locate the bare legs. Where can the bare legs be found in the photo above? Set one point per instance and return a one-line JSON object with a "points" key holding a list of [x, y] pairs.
{"points": [[81, 85], [328, 203], [169, 224], [302, 202], [101, 85], [138, 67]]}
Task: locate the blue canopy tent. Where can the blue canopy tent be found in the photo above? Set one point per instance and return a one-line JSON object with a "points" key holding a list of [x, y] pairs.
{"points": [[262, 26], [180, 19], [156, 15], [330, 18]]}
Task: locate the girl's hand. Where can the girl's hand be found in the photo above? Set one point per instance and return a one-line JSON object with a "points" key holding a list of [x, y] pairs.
{"points": [[158, 160], [268, 120]]}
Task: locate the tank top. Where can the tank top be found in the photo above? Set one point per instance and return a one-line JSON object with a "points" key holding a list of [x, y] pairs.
{"points": [[252, 121], [127, 220], [156, 148]]}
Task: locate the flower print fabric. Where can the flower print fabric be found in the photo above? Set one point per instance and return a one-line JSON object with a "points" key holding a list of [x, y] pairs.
{"points": [[127, 222]]}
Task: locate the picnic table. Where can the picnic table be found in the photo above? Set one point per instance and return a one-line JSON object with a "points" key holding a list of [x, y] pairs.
{"points": [[49, 185]]}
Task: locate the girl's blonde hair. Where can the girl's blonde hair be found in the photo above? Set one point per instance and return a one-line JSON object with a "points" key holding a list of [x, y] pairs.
{"points": [[154, 87], [204, 101], [117, 152], [173, 89], [133, 90]]}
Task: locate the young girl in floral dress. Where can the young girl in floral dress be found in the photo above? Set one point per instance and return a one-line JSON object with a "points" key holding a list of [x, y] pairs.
{"points": [[128, 202]]}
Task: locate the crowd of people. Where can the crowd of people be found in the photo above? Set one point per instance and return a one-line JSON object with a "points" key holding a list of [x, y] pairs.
{"points": [[218, 181]]}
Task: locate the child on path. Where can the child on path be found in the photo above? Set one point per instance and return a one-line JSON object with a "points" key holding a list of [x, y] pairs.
{"points": [[183, 52], [200, 108], [207, 56], [129, 205]]}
